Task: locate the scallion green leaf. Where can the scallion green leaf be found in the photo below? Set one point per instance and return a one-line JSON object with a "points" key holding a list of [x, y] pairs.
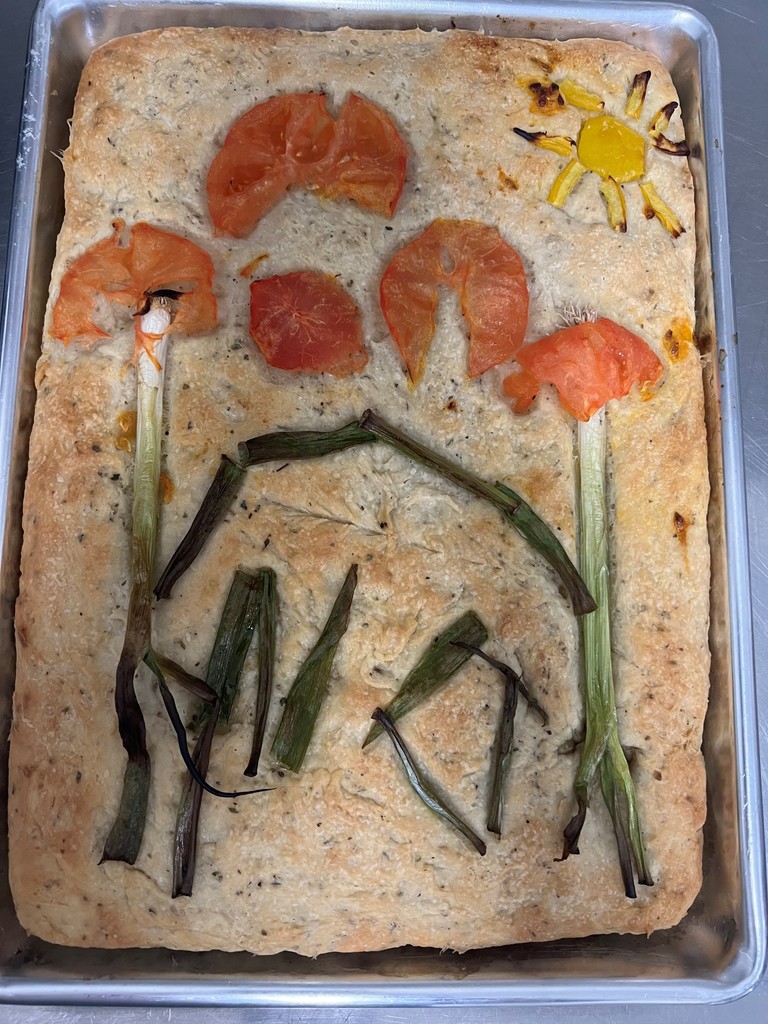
{"points": [[267, 629], [223, 490], [505, 733], [423, 786], [439, 663], [306, 696]]}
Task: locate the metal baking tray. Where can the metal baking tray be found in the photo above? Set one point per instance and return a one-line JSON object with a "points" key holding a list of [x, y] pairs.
{"points": [[718, 951]]}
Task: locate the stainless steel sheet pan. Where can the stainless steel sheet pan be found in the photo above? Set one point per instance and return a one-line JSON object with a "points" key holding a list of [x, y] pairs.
{"points": [[718, 951]]}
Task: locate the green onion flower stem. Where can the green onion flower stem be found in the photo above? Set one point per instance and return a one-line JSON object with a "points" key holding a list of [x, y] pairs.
{"points": [[602, 754], [124, 840]]}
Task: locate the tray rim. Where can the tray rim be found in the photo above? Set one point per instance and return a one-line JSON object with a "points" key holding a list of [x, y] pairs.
{"points": [[745, 970]]}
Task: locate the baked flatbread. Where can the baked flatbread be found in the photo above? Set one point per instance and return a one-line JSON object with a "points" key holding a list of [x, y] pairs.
{"points": [[344, 856]]}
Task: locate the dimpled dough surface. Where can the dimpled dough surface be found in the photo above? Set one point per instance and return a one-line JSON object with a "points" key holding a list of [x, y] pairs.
{"points": [[344, 856]]}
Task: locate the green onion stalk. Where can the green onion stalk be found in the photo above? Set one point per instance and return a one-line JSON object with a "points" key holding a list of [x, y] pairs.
{"points": [[602, 754], [124, 840]]}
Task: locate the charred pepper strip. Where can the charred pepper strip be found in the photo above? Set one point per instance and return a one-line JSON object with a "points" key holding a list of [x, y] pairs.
{"points": [[423, 786], [306, 696], [439, 663]]}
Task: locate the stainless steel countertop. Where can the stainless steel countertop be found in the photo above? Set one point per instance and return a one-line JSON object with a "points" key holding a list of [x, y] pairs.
{"points": [[742, 29]]}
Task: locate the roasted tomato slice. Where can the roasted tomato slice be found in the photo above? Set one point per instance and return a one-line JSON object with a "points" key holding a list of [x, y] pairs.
{"points": [[292, 140], [263, 155], [123, 269], [589, 364], [369, 158], [487, 273], [306, 321]]}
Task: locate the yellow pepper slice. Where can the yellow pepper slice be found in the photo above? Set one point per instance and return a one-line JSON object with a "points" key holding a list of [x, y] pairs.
{"points": [[611, 149], [636, 96], [565, 182], [578, 97], [655, 206], [611, 192]]}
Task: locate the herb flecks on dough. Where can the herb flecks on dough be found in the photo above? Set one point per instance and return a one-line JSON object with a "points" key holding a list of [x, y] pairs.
{"points": [[423, 786], [505, 733], [286, 446], [306, 696], [515, 510], [233, 638], [590, 362], [167, 281], [614, 151], [436, 667], [281, 446]]}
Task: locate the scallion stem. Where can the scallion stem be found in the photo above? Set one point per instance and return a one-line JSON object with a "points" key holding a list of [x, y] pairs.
{"points": [[124, 840], [602, 754]]}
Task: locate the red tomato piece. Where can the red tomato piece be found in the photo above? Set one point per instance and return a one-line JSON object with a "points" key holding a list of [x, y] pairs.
{"points": [[589, 364], [292, 140], [123, 269], [369, 158], [522, 387], [265, 153], [487, 273], [306, 321]]}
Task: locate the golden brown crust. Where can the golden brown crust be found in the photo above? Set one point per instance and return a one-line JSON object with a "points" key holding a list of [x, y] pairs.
{"points": [[344, 857]]}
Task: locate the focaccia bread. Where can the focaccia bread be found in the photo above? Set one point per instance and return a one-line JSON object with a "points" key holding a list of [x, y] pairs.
{"points": [[343, 856]]}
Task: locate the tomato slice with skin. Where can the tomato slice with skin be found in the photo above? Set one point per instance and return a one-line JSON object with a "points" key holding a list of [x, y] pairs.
{"points": [[292, 140], [123, 269], [305, 321], [588, 363], [369, 158], [488, 274]]}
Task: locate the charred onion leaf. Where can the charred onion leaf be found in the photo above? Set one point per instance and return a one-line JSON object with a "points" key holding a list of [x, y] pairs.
{"points": [[514, 509], [181, 735], [305, 698], [602, 754], [267, 628], [441, 660], [505, 734], [422, 785], [502, 667], [192, 684], [225, 486], [188, 814], [233, 638], [282, 446]]}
